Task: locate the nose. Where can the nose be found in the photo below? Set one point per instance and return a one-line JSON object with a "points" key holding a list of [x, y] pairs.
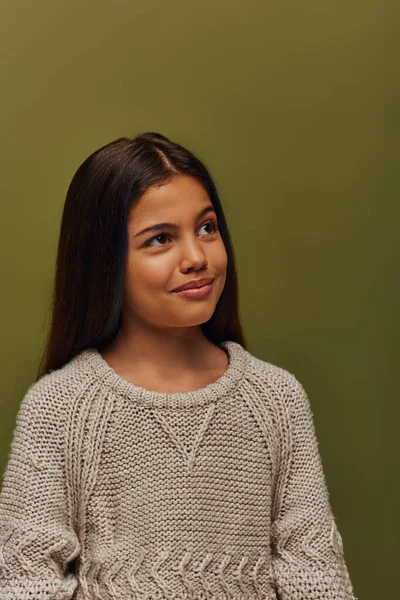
{"points": [[192, 255]]}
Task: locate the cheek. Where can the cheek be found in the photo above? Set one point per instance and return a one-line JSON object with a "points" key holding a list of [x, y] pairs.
{"points": [[149, 272], [218, 258]]}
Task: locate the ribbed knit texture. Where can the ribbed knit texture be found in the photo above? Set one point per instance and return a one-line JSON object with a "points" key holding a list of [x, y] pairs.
{"points": [[113, 491]]}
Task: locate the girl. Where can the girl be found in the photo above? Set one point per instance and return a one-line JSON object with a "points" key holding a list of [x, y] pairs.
{"points": [[155, 457]]}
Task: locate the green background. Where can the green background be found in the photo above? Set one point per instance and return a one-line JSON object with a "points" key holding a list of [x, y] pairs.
{"points": [[294, 108]]}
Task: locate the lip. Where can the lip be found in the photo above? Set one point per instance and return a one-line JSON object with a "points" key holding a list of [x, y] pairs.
{"points": [[194, 283], [197, 292]]}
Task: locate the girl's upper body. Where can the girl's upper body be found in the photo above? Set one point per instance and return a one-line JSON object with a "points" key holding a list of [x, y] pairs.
{"points": [[214, 493], [155, 456]]}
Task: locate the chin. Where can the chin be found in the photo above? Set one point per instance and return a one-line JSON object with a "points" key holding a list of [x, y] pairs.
{"points": [[194, 320]]}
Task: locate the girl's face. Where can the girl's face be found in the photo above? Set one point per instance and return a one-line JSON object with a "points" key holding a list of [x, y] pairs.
{"points": [[168, 256]]}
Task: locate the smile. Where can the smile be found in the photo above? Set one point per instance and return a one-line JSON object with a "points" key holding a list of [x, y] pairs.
{"points": [[200, 292]]}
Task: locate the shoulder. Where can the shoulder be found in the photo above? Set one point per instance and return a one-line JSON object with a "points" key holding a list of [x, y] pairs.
{"points": [[282, 397], [53, 395], [270, 373], [276, 381]]}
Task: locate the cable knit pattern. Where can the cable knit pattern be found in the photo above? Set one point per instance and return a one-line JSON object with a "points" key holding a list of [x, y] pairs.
{"points": [[113, 491]]}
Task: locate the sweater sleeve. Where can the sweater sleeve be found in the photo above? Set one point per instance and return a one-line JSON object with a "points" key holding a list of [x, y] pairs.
{"points": [[307, 549], [37, 545]]}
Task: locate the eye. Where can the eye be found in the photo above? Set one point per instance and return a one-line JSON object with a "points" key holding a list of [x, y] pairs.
{"points": [[160, 235], [163, 234], [213, 224]]}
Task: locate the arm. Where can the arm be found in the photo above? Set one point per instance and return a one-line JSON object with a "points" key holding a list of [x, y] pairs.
{"points": [[37, 543], [307, 550]]}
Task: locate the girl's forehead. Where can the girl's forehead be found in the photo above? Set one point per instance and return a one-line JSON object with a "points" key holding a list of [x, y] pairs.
{"points": [[171, 200], [182, 186]]}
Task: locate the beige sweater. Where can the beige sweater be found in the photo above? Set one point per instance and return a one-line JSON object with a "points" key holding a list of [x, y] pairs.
{"points": [[113, 491]]}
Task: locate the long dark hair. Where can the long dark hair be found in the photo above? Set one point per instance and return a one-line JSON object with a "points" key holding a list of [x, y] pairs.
{"points": [[92, 249]]}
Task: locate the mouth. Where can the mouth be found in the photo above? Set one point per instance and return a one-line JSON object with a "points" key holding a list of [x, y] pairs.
{"points": [[195, 292], [194, 284]]}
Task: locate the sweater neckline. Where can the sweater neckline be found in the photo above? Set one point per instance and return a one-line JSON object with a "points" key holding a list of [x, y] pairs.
{"points": [[212, 392]]}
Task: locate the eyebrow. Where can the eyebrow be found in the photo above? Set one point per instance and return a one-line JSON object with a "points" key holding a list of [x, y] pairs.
{"points": [[200, 214]]}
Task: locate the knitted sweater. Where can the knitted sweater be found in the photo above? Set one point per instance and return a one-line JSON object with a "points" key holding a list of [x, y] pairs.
{"points": [[113, 491]]}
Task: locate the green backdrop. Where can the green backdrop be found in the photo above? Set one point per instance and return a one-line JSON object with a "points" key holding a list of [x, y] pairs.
{"points": [[293, 107]]}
